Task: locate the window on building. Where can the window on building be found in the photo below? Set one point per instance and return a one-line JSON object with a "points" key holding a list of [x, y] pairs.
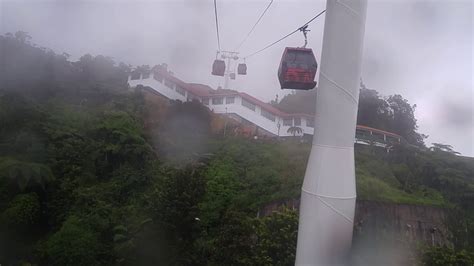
{"points": [[288, 122], [135, 75], [158, 77], [297, 121], [229, 100], [217, 101], [180, 90], [267, 115], [192, 98], [146, 75], [248, 104], [169, 84], [205, 101], [310, 122]]}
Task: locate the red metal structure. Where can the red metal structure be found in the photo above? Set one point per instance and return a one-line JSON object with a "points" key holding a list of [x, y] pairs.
{"points": [[218, 68], [297, 69]]}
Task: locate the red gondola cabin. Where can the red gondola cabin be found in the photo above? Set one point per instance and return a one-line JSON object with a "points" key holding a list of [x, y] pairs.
{"points": [[218, 68], [297, 69]]}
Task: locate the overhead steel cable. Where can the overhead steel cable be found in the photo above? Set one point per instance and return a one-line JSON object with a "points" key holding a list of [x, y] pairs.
{"points": [[286, 36], [253, 27], [217, 27]]}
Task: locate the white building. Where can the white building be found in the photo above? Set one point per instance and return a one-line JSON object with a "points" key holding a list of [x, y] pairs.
{"points": [[233, 103], [238, 105]]}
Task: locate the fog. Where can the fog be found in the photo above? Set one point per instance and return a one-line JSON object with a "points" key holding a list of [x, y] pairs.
{"points": [[422, 50]]}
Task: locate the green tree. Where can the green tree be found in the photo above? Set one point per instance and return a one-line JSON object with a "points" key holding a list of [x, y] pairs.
{"points": [[73, 244], [403, 120], [439, 147], [22, 213], [373, 110], [174, 207], [25, 174], [234, 241], [276, 234], [441, 256]]}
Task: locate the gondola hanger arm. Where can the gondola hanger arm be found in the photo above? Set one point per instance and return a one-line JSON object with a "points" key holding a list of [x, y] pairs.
{"points": [[305, 31]]}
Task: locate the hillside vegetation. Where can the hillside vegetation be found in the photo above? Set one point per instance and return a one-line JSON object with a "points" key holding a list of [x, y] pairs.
{"points": [[87, 177], [393, 113]]}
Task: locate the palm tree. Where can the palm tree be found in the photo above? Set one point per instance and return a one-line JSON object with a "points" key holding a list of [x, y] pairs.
{"points": [[25, 174], [294, 130]]}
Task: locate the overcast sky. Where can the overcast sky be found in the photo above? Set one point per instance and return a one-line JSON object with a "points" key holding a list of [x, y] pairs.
{"points": [[422, 50]]}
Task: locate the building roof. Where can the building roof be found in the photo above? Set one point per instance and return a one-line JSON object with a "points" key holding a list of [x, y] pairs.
{"points": [[198, 89]]}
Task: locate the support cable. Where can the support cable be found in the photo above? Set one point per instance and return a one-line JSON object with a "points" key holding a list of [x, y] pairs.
{"points": [[217, 27], [286, 36], [253, 28]]}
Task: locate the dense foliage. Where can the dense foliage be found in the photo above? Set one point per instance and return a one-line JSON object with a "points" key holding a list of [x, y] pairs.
{"points": [[392, 113], [87, 179]]}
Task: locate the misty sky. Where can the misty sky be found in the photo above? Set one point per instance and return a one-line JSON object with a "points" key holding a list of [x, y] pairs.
{"points": [[422, 50]]}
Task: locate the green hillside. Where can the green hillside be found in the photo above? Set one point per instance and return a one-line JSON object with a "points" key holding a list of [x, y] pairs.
{"points": [[85, 179]]}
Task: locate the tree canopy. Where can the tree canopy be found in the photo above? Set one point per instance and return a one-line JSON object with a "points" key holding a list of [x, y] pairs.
{"points": [[393, 113]]}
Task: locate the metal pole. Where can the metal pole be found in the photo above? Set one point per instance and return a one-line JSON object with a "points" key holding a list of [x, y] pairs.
{"points": [[225, 122], [228, 55], [329, 192], [227, 74]]}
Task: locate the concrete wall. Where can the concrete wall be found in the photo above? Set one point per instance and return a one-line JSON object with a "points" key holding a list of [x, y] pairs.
{"points": [[403, 223]]}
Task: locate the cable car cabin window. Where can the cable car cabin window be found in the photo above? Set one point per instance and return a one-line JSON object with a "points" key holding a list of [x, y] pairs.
{"points": [[205, 101], [309, 122], [300, 59], [297, 121], [158, 77], [288, 122], [229, 100], [248, 104], [169, 84], [180, 90], [217, 101], [267, 115]]}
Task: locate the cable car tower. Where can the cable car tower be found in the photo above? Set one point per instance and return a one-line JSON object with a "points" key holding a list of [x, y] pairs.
{"points": [[219, 66], [328, 194], [222, 68], [229, 56]]}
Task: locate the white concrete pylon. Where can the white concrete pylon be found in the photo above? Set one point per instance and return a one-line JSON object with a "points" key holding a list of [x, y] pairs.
{"points": [[329, 191]]}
